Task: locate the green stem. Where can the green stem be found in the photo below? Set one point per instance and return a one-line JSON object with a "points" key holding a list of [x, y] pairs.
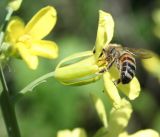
{"points": [[32, 85], [7, 107], [8, 110]]}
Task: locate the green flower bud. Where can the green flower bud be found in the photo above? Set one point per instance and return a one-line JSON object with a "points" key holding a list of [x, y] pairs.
{"points": [[14, 4]]}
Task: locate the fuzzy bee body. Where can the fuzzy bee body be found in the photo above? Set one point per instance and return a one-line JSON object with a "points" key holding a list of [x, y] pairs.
{"points": [[127, 68], [124, 59]]}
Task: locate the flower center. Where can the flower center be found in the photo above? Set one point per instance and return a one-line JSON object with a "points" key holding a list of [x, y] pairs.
{"points": [[102, 61], [24, 38]]}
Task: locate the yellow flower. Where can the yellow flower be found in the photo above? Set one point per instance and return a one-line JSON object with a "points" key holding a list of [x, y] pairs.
{"points": [[141, 133], [152, 65], [77, 132], [87, 69], [104, 36], [26, 40], [114, 125], [156, 19]]}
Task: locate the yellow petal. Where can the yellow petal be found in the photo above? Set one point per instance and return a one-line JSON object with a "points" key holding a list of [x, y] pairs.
{"points": [[80, 82], [156, 31], [152, 65], [80, 69], [64, 133], [131, 90], [100, 108], [119, 118], [111, 89], [123, 134], [145, 133], [156, 16], [101, 132], [104, 32], [44, 48], [78, 132], [78, 55], [42, 23], [31, 60], [15, 29]]}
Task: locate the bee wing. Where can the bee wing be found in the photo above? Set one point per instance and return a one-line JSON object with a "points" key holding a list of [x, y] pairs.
{"points": [[141, 53]]}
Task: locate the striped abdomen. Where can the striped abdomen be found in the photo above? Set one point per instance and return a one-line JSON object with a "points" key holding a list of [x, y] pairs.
{"points": [[128, 67]]}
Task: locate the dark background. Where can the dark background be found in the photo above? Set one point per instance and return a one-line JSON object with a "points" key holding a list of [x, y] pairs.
{"points": [[52, 106]]}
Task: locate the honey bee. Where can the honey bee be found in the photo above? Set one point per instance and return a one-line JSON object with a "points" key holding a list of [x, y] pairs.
{"points": [[124, 59]]}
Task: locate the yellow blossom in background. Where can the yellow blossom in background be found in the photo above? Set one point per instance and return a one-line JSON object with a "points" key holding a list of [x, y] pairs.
{"points": [[156, 19], [118, 120], [113, 124], [77, 132], [141, 133], [152, 65], [87, 69], [100, 109], [26, 40]]}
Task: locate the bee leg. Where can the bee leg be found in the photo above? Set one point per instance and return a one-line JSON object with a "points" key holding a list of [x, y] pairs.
{"points": [[107, 67], [116, 82]]}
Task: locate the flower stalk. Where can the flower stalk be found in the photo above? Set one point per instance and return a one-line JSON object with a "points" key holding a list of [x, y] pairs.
{"points": [[32, 85], [8, 109]]}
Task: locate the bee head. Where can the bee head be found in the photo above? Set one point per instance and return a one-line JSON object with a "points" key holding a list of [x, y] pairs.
{"points": [[111, 51]]}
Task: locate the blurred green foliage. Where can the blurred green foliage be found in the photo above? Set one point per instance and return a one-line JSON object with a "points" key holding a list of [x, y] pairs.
{"points": [[52, 106]]}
